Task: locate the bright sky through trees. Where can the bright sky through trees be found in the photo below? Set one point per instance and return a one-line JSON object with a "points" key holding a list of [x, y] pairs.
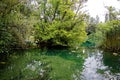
{"points": [[96, 7]]}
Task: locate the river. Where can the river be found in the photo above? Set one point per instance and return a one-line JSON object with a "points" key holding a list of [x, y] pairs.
{"points": [[66, 65], [100, 65]]}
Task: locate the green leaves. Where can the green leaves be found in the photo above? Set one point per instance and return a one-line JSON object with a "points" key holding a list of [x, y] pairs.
{"points": [[55, 23], [15, 24], [58, 28], [109, 33]]}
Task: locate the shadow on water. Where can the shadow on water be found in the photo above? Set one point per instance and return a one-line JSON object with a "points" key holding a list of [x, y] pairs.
{"points": [[70, 63], [34, 64], [24, 65], [100, 65], [112, 61], [4, 58], [65, 54]]}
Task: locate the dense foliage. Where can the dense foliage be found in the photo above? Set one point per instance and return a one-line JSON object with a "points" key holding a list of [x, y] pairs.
{"points": [[105, 35], [15, 28], [59, 24], [47, 25], [112, 36], [6, 36], [54, 23]]}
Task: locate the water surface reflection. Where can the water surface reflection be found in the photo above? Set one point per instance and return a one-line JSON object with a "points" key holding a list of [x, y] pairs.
{"points": [[100, 65]]}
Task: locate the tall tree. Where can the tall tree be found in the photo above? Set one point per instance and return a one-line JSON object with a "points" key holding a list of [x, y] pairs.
{"points": [[15, 24], [112, 14], [61, 23]]}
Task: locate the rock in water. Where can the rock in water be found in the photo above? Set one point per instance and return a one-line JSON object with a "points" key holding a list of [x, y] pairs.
{"points": [[115, 54]]}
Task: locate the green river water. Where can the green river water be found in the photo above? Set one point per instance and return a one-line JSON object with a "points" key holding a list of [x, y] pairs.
{"points": [[83, 64]]}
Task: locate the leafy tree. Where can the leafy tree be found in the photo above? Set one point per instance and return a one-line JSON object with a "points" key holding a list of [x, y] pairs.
{"points": [[112, 14], [5, 37], [14, 24], [108, 35], [61, 24], [112, 37]]}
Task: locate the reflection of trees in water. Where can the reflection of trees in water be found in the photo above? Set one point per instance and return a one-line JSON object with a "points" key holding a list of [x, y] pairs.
{"points": [[92, 63], [113, 62], [100, 66]]}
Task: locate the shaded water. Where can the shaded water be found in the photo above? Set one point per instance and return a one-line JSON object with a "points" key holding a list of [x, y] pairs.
{"points": [[41, 65], [100, 65], [33, 65]]}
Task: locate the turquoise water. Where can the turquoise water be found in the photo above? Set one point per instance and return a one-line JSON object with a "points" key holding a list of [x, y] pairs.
{"points": [[83, 64]]}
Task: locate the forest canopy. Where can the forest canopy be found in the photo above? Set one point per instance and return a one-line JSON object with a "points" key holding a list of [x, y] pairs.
{"points": [[47, 23], [60, 24], [51, 23]]}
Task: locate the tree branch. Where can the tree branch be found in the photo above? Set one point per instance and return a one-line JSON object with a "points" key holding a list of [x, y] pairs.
{"points": [[56, 8]]}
